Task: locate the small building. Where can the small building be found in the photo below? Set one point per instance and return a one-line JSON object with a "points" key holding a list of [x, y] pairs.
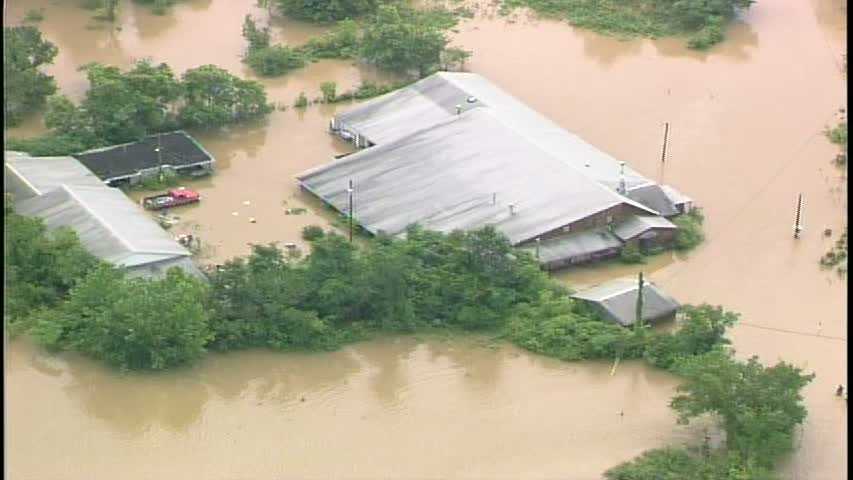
{"points": [[130, 163], [616, 301], [575, 248], [64, 193], [646, 231]]}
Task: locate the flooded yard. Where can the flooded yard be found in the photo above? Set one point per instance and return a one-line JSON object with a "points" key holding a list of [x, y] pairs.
{"points": [[746, 137]]}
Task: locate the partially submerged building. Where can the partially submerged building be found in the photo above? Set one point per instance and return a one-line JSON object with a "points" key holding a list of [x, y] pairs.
{"points": [[131, 163], [64, 193], [453, 151], [616, 301]]}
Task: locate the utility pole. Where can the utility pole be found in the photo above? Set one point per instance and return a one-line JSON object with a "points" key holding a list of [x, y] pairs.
{"points": [[538, 242], [638, 323], [798, 226], [665, 138], [350, 190]]}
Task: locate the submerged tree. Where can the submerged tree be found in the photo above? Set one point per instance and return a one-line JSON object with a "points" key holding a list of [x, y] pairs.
{"points": [[25, 87], [326, 10]]}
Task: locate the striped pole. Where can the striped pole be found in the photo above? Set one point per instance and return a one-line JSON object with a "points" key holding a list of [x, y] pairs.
{"points": [[798, 227], [665, 138]]}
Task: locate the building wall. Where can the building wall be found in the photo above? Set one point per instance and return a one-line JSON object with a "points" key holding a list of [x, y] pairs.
{"points": [[614, 214]]}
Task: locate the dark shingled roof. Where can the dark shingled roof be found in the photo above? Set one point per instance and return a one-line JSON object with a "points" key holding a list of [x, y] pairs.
{"points": [[178, 150]]}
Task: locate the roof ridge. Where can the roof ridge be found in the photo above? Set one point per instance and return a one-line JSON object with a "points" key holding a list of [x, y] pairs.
{"points": [[22, 177]]}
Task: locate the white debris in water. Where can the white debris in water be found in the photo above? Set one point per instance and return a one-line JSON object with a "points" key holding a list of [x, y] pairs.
{"points": [[235, 213], [247, 203], [251, 219]]}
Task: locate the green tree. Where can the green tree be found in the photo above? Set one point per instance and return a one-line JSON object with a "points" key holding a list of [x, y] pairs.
{"points": [[759, 406], [402, 39], [214, 97], [41, 266], [25, 87], [329, 90], [130, 323], [326, 10]]}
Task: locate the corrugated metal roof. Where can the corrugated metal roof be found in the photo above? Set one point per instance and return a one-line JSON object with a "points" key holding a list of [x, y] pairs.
{"points": [[177, 149], [654, 197], [109, 225], [675, 196], [28, 176], [618, 299], [433, 100], [636, 225], [574, 245], [444, 178]]}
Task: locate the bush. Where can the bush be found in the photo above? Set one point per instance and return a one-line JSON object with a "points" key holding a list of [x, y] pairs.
{"points": [[326, 10], [301, 101], [329, 89], [341, 42], [130, 323], [690, 232], [631, 254], [34, 16], [711, 34], [312, 232], [48, 145], [274, 60]]}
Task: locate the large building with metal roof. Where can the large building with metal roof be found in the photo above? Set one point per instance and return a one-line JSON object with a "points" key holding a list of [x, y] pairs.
{"points": [[453, 151], [64, 193]]}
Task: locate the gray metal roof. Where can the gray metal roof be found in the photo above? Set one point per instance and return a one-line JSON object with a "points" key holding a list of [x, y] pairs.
{"points": [[617, 299], [109, 225], [675, 196], [575, 244], [444, 178], [28, 176], [433, 100], [636, 225], [654, 197]]}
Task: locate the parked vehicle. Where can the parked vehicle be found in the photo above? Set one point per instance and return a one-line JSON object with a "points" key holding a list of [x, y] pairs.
{"points": [[173, 198]]}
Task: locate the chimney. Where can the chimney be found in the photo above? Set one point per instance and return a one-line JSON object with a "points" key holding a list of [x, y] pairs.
{"points": [[458, 109], [512, 209]]}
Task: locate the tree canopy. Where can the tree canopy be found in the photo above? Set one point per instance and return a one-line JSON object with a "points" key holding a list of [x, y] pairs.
{"points": [[25, 86], [326, 10]]}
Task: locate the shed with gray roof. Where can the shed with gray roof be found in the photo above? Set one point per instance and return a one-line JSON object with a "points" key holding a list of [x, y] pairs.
{"points": [[28, 177], [616, 301]]}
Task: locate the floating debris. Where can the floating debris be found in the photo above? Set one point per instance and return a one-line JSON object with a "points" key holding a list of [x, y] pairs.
{"points": [[247, 203], [235, 213], [252, 220]]}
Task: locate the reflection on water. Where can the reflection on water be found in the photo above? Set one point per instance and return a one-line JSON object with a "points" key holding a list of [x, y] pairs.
{"points": [[454, 407]]}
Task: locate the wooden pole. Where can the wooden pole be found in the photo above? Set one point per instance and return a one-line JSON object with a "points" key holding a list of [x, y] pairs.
{"points": [[798, 227], [638, 323], [665, 139]]}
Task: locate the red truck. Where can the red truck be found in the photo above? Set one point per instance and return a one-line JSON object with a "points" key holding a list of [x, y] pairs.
{"points": [[173, 198]]}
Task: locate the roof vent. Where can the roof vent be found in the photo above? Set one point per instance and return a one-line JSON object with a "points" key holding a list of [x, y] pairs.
{"points": [[458, 109], [472, 99], [511, 209]]}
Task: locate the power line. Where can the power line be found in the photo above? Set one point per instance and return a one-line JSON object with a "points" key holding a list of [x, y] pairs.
{"points": [[793, 332]]}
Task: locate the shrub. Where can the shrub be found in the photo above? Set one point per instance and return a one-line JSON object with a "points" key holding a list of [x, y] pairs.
{"points": [[312, 232], [274, 60], [301, 101], [326, 10], [329, 89], [631, 254], [690, 232]]}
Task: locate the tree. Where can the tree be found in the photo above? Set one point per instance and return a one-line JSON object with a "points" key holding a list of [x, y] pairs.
{"points": [[759, 406], [130, 323], [454, 57], [214, 97], [41, 266], [402, 39], [25, 87], [326, 10]]}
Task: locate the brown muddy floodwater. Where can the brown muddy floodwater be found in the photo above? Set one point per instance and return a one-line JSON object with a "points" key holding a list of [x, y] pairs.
{"points": [[746, 137]]}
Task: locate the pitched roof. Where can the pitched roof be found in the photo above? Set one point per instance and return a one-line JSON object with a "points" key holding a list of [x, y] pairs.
{"points": [[27, 176], [636, 225], [654, 197], [445, 177], [109, 225], [433, 100], [574, 245], [177, 149], [618, 300]]}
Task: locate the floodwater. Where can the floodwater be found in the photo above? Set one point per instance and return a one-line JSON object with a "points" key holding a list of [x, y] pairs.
{"points": [[746, 122], [391, 408]]}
